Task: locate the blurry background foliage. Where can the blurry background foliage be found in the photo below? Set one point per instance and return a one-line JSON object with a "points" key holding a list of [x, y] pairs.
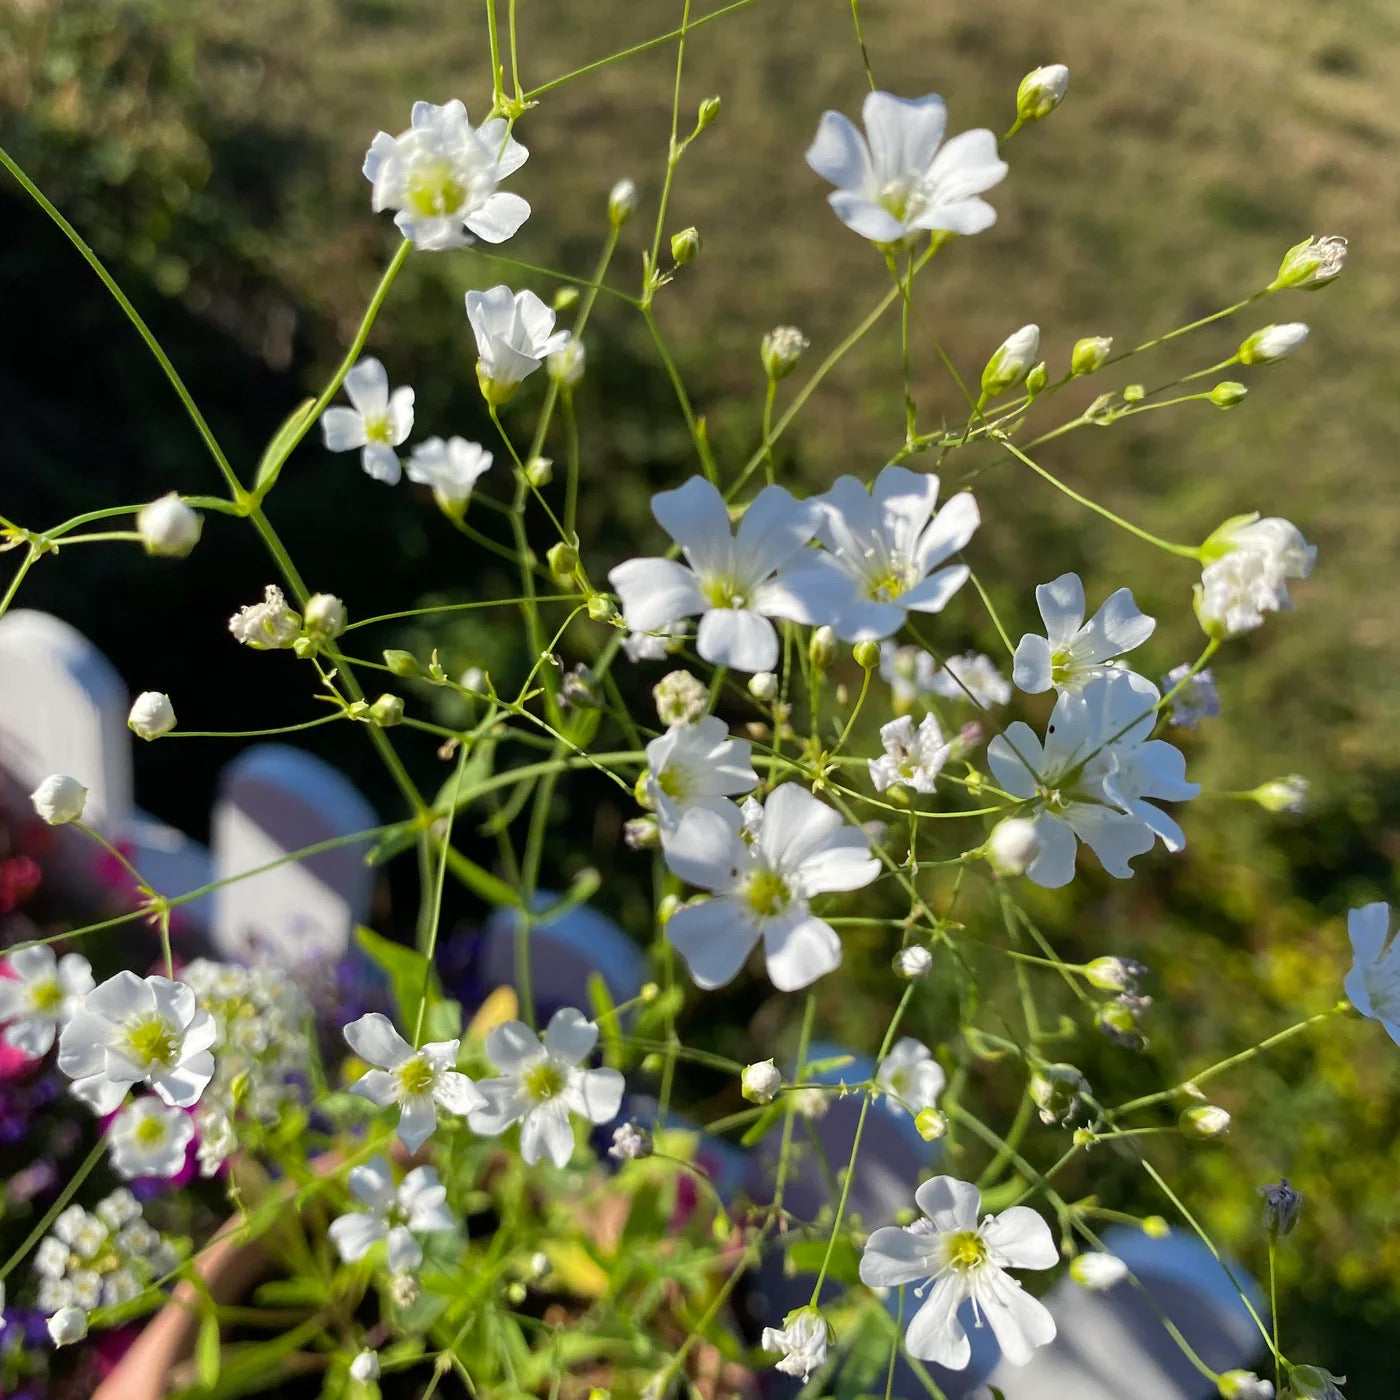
{"points": [[212, 151]]}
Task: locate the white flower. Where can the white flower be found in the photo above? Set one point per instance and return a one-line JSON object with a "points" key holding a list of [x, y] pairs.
{"points": [[40, 998], [1273, 343], [698, 765], [630, 1144], [909, 672], [168, 526], [912, 962], [972, 676], [514, 335], [910, 1077], [736, 581], [963, 1259], [1248, 564], [887, 544], [1205, 1120], [1010, 361], [266, 626], [378, 423], [1312, 263], [914, 757], [451, 468], [1091, 777], [802, 848], [1041, 91], [803, 1341], [416, 1206], [1373, 984], [1313, 1383], [149, 1139], [1197, 699], [441, 177], [1243, 1385], [680, 698], [419, 1080], [541, 1083], [1073, 651], [365, 1366], [132, 1030], [151, 715], [760, 1081], [894, 179], [325, 615], [59, 799], [1097, 1272], [68, 1325]]}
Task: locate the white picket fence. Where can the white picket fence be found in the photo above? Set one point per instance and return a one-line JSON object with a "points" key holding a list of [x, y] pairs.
{"points": [[63, 709]]}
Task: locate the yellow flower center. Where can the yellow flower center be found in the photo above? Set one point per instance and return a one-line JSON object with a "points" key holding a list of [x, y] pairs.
{"points": [[46, 995], [899, 199], [966, 1250], [378, 429], [722, 593], [672, 782], [416, 1076], [150, 1042], [767, 893], [543, 1080], [1061, 665], [433, 192], [150, 1132]]}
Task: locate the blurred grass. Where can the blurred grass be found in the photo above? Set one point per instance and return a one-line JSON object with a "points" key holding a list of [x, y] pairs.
{"points": [[213, 152]]}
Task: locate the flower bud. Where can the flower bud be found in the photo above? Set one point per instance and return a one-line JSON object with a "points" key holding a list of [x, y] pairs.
{"points": [[1090, 354], [666, 908], [763, 686], [1037, 379], [474, 680], [1227, 393], [1288, 794], [563, 561], [601, 608], [1041, 91], [821, 650], [685, 246], [1244, 1385], [1118, 1020], [1206, 1120], [565, 366], [630, 1144], [867, 655], [912, 963], [1096, 1271], [1056, 1091], [1012, 846], [1114, 974], [495, 391], [1312, 263], [1010, 361], [760, 1082], [365, 1367], [403, 663], [68, 1325], [1281, 1206], [579, 689], [168, 527], [709, 110], [930, 1124], [1134, 393], [325, 616], [151, 715], [780, 351], [1273, 343], [59, 799], [565, 298], [1313, 1383], [680, 698], [539, 472], [622, 203], [641, 834], [387, 711]]}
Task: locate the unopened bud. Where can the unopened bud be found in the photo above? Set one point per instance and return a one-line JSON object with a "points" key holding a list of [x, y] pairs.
{"points": [[1227, 393], [641, 834], [763, 686], [1041, 91], [1096, 1271], [539, 472], [913, 962], [403, 663], [685, 246], [1010, 361], [152, 715], [709, 110], [821, 650], [1312, 263], [68, 1325], [168, 527], [387, 711], [325, 616], [1037, 379], [59, 799], [1056, 1090], [680, 698], [601, 608], [780, 351], [565, 298], [1013, 846], [1206, 1120], [1134, 393], [563, 561], [566, 364], [1155, 1227], [666, 908], [474, 680], [1288, 794], [1244, 1385], [1273, 343], [930, 1124], [867, 655], [1281, 1206], [1090, 354], [622, 203], [760, 1082]]}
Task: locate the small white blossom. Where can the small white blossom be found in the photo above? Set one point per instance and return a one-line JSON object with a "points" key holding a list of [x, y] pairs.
{"points": [[630, 1143], [1097, 1272], [914, 757], [149, 1139], [1010, 362], [421, 1081], [803, 1342], [1205, 1120], [168, 526], [622, 202], [913, 962], [59, 799], [133, 1030], [41, 997], [417, 1206], [698, 766], [1197, 699], [974, 677], [68, 1325], [1312, 263], [910, 1077], [441, 176], [1073, 651], [760, 1081], [680, 698], [542, 1082], [267, 626], [377, 424], [151, 715], [1013, 845], [780, 351], [1373, 984], [1041, 91], [365, 1366], [514, 335], [894, 179], [1273, 343], [325, 616], [763, 886], [1248, 564], [961, 1259]]}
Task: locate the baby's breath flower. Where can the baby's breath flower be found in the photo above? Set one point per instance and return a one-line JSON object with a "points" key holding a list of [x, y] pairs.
{"points": [[514, 335], [149, 1139], [781, 349], [1248, 562], [1288, 794], [630, 1143], [972, 677], [168, 526], [365, 1367], [1272, 343], [1312, 263], [1206, 1120], [1073, 651], [1011, 361], [760, 1081], [40, 996], [1097, 1272], [68, 1325], [451, 468], [394, 1214], [151, 715], [802, 1340], [325, 616], [912, 757], [913, 962], [377, 424], [59, 799], [693, 766], [910, 1077], [1041, 91], [266, 626], [680, 698]]}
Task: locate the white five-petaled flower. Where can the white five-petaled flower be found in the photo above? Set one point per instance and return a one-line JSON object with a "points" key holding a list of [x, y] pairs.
{"points": [[1090, 778], [973, 677], [911, 1078], [514, 335], [420, 1081], [377, 424], [894, 179], [698, 765], [149, 1138], [735, 581], [1248, 563], [1373, 984], [886, 546], [451, 468], [914, 757], [542, 1082], [762, 886], [803, 1342], [1073, 651], [962, 1259], [131, 1030], [41, 997], [417, 1206], [441, 176]]}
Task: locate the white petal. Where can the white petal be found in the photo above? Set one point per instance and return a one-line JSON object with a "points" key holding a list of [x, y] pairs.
{"points": [[405, 1253], [742, 640], [904, 134], [378, 1086], [1030, 667], [499, 218], [596, 1094], [937, 590], [713, 938], [505, 1104], [417, 1121], [799, 951], [1367, 928], [894, 1256], [935, 1334], [1021, 1323], [381, 462], [704, 850], [546, 1129], [374, 1039], [1117, 627], [865, 217], [457, 1094], [839, 153], [343, 429], [1053, 868], [949, 530], [372, 1183], [570, 1035], [367, 387], [354, 1235], [656, 592], [512, 1046], [1061, 604], [1016, 758], [1020, 1239], [951, 1204]]}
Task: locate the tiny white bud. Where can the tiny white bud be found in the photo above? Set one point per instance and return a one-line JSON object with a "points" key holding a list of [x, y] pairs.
{"points": [[474, 680], [1090, 354], [622, 202], [1011, 361], [151, 715], [59, 799], [539, 471], [1273, 343], [1312, 263], [780, 351], [760, 1082], [1288, 794], [387, 710], [1041, 91], [365, 1367], [1244, 1385], [821, 650], [930, 1124], [68, 1325], [325, 615], [539, 1264], [1206, 1120], [1012, 846], [1097, 1272], [913, 962], [763, 686], [566, 365], [168, 527]]}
